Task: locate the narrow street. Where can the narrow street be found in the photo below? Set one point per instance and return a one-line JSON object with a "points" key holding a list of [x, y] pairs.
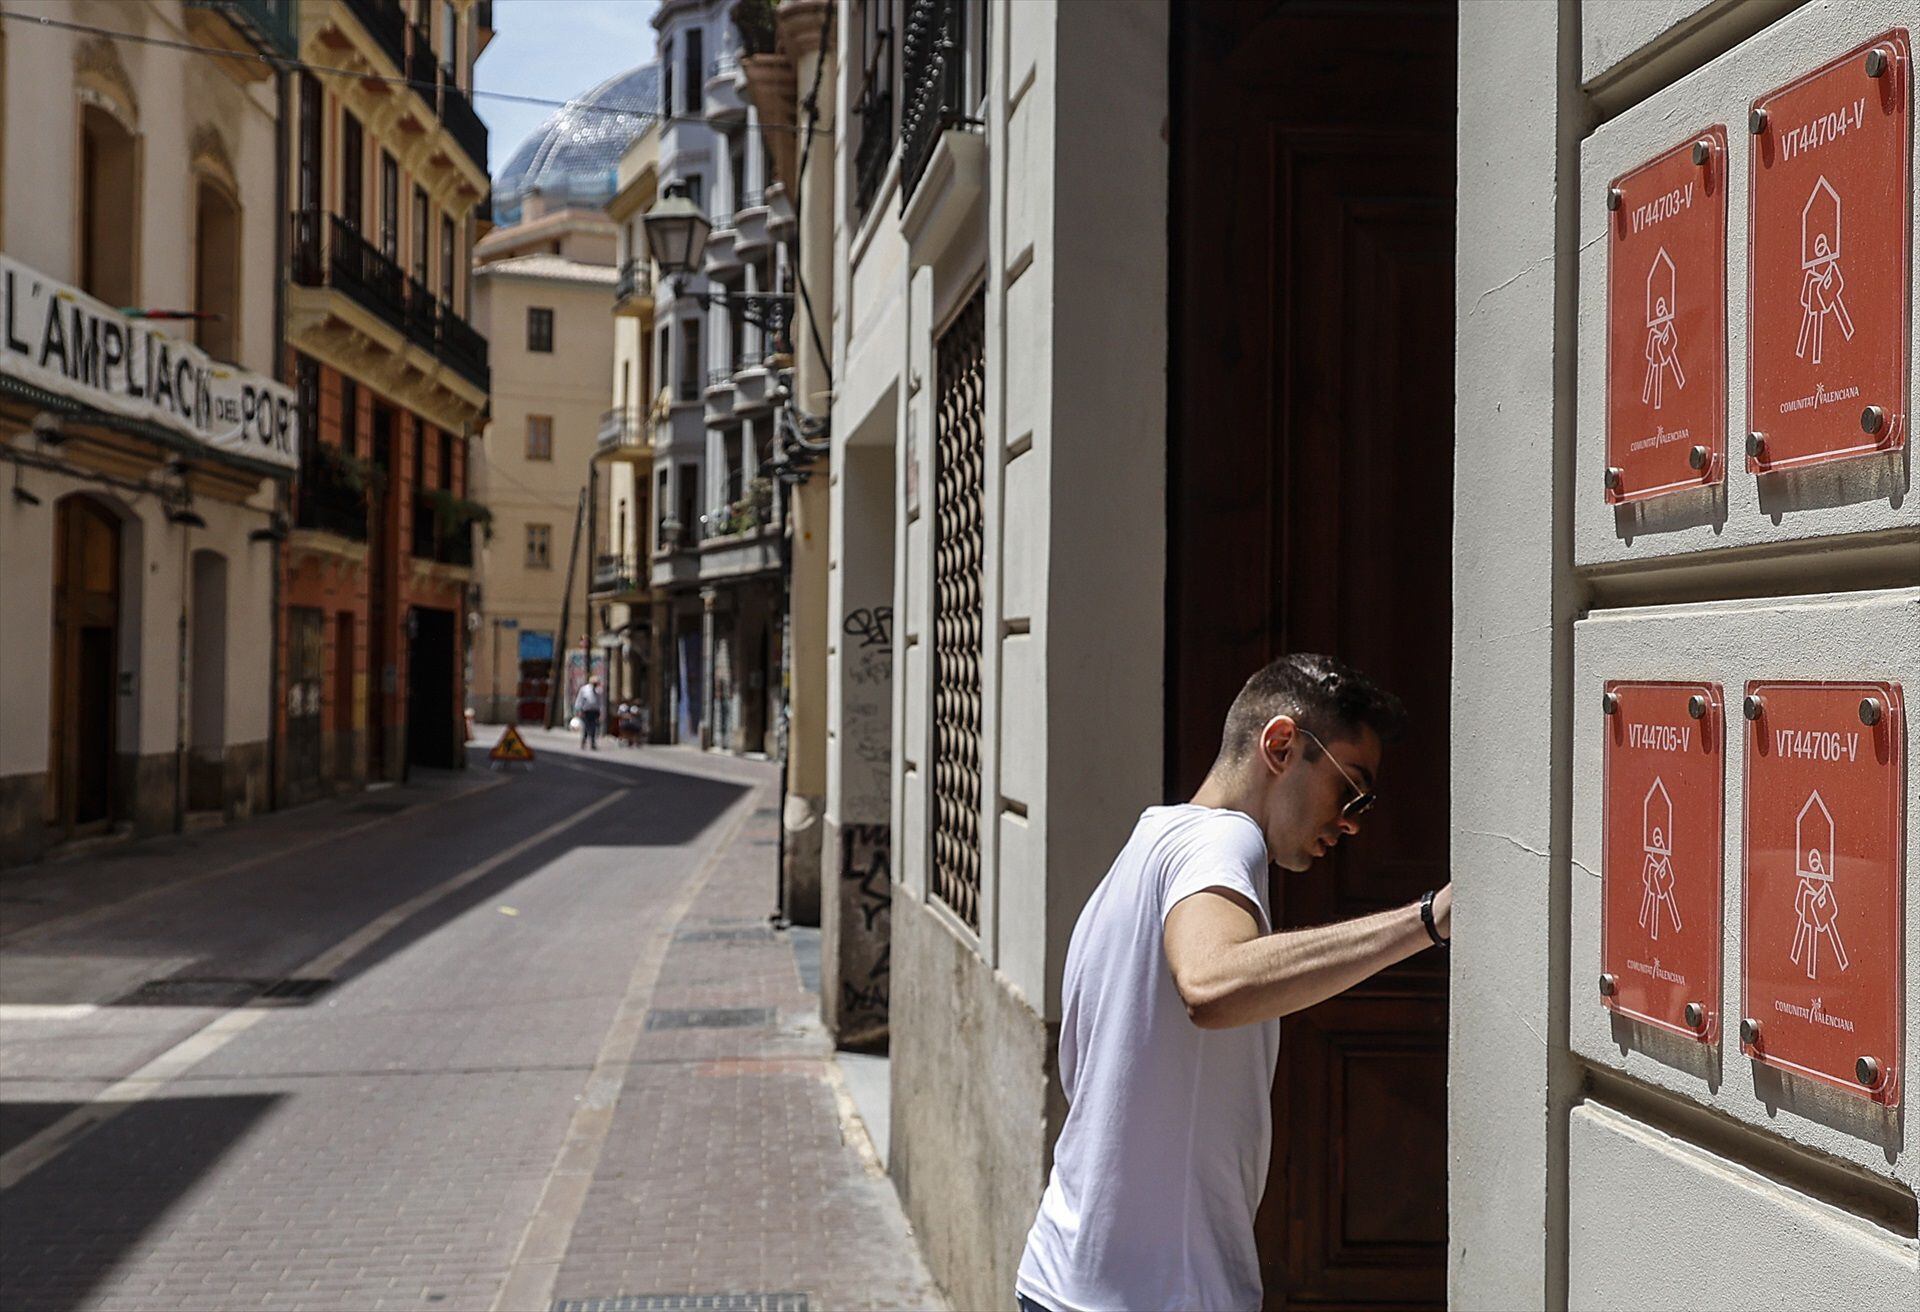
{"points": [[483, 1040]]}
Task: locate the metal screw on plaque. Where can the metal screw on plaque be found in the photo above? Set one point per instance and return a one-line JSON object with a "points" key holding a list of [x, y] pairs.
{"points": [[1873, 419], [1697, 706], [1616, 478], [1696, 1015], [1869, 710], [1608, 986], [1867, 1071], [1750, 1032], [1702, 151], [1757, 122], [1753, 705], [1610, 703], [1697, 457], [1757, 445], [1614, 198], [1876, 62]]}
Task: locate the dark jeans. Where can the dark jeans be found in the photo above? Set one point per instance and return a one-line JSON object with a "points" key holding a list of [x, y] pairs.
{"points": [[589, 728], [1027, 1304]]}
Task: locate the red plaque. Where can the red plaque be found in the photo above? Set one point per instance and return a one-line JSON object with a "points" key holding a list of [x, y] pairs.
{"points": [[1828, 261], [1821, 947], [1667, 321], [1661, 810]]}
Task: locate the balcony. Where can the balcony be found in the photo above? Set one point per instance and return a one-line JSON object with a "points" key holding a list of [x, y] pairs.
{"points": [[386, 22], [934, 75], [328, 253], [457, 112], [633, 293], [332, 254], [750, 225], [721, 92], [720, 253], [421, 71], [265, 27], [741, 516], [443, 528], [618, 576], [623, 435], [330, 493]]}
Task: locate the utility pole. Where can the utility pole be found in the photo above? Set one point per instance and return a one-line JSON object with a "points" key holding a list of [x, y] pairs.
{"points": [[566, 609]]}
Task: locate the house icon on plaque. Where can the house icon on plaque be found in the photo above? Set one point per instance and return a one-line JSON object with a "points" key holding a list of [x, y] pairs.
{"points": [[1820, 225], [1813, 840], [1656, 821]]}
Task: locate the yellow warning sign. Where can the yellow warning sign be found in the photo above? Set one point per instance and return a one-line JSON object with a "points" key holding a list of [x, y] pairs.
{"points": [[511, 747]]}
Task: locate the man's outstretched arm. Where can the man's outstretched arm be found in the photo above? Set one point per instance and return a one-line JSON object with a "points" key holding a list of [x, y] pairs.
{"points": [[1229, 973]]}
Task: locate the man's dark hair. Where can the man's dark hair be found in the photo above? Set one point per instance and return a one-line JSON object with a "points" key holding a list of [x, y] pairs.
{"points": [[1330, 698]]}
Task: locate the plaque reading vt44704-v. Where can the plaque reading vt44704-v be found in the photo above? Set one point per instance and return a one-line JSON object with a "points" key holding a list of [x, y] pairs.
{"points": [[1828, 260], [1662, 809], [1667, 321], [1821, 952]]}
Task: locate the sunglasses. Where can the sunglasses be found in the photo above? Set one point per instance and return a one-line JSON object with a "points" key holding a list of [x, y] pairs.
{"points": [[1363, 798]]}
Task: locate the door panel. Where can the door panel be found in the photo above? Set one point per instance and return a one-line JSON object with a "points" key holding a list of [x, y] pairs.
{"points": [[1310, 471]]}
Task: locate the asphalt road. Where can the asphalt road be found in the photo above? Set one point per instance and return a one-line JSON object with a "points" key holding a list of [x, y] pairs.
{"points": [[483, 1041]]}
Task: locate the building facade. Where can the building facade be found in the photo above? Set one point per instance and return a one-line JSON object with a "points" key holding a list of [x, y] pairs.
{"points": [[386, 177], [542, 286], [149, 448], [717, 511], [1300, 343], [632, 633]]}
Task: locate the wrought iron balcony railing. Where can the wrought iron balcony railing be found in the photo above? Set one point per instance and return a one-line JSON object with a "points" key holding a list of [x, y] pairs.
{"points": [[386, 23], [457, 112], [621, 428], [272, 26], [422, 72], [934, 75], [636, 279], [437, 537], [423, 315], [616, 572], [327, 252], [463, 348], [326, 498]]}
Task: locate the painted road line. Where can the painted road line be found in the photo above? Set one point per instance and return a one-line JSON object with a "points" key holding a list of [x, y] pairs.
{"points": [[33, 1153], [543, 1245], [80, 919], [26, 1011]]}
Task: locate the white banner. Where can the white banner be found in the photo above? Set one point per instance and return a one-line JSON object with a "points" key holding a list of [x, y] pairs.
{"points": [[60, 339]]}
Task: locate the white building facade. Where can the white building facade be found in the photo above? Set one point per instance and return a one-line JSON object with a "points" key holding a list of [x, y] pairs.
{"points": [[1171, 338], [148, 445]]}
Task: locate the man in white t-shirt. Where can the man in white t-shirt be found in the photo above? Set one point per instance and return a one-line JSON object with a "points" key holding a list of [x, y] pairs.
{"points": [[1175, 984]]}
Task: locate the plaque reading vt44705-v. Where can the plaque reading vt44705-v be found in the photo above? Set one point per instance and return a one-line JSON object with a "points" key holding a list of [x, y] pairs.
{"points": [[1662, 816], [1828, 260], [1667, 321], [1821, 949]]}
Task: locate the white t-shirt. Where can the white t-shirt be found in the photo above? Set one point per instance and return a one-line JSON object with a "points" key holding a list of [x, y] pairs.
{"points": [[1163, 1156]]}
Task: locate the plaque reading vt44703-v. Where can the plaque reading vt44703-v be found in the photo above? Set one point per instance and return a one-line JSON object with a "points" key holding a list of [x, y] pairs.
{"points": [[1828, 260], [1667, 321], [1821, 951], [1662, 813]]}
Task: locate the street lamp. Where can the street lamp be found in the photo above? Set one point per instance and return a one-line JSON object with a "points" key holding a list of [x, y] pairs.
{"points": [[677, 232]]}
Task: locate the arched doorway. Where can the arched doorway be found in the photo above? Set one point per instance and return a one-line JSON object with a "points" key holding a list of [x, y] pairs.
{"points": [[86, 620], [207, 741]]}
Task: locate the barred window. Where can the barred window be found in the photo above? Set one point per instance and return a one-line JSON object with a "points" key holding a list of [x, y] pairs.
{"points": [[959, 458]]}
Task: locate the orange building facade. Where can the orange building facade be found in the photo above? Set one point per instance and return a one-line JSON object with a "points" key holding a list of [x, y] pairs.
{"points": [[387, 187]]}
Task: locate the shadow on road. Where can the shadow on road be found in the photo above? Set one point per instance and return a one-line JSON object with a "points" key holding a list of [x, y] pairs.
{"points": [[65, 1228]]}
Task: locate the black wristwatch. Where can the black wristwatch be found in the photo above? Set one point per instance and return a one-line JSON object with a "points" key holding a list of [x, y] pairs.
{"points": [[1426, 918]]}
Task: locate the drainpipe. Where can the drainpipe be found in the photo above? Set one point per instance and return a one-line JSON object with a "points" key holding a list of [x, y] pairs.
{"points": [[180, 690], [282, 498]]}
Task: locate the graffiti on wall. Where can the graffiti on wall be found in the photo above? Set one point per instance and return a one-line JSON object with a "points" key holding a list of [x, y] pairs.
{"points": [[866, 891]]}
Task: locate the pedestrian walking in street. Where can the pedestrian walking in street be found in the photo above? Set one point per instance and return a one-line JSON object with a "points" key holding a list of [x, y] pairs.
{"points": [[1174, 988], [588, 706]]}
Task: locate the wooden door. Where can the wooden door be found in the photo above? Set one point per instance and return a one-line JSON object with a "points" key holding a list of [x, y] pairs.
{"points": [[306, 672], [86, 619], [1310, 510]]}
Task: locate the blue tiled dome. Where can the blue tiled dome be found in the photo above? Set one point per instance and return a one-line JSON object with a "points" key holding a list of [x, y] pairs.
{"points": [[574, 157]]}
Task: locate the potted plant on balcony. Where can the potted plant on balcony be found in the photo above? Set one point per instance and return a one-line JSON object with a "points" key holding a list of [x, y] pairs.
{"points": [[452, 513]]}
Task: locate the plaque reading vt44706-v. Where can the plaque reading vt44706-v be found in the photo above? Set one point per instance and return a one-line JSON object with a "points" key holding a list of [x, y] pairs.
{"points": [[1828, 260], [1667, 321], [1821, 950], [1662, 813]]}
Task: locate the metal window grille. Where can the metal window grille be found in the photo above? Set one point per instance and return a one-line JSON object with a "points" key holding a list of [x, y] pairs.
{"points": [[959, 479]]}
